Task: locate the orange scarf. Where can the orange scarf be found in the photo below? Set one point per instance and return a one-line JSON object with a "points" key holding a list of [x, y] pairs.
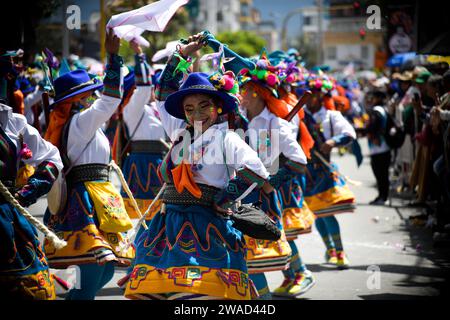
{"points": [[19, 102], [277, 106], [306, 140], [328, 103], [58, 118]]}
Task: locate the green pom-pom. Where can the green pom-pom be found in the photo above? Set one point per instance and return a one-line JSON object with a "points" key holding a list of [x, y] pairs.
{"points": [[261, 74], [327, 85], [235, 88]]}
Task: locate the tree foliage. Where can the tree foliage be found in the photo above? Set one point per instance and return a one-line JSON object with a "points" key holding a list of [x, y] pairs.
{"points": [[244, 43]]}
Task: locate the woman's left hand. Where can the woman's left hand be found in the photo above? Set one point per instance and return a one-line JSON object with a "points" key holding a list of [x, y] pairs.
{"points": [[327, 146]]}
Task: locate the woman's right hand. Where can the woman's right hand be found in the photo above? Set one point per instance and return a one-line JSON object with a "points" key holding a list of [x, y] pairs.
{"points": [[112, 42], [195, 44]]}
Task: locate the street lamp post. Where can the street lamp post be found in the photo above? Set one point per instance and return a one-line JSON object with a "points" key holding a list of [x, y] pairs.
{"points": [[292, 13]]}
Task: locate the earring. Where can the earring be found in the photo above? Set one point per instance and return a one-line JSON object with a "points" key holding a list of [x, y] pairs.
{"points": [[254, 95], [219, 110]]}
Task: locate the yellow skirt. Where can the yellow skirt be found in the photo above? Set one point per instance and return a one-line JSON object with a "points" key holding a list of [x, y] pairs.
{"points": [[266, 255], [297, 221]]}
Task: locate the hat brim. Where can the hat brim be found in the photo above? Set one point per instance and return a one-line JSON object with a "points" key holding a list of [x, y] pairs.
{"points": [[174, 102], [73, 94]]}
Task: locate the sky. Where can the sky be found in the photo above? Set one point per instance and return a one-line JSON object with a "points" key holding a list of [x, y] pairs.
{"points": [[276, 10]]}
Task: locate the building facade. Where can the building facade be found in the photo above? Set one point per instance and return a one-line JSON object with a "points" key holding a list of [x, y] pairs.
{"points": [[347, 38]]}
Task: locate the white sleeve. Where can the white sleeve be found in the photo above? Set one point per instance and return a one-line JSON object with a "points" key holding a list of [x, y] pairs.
{"points": [[288, 144], [171, 124], [33, 98], [341, 125], [133, 111], [86, 123], [42, 150], [238, 155]]}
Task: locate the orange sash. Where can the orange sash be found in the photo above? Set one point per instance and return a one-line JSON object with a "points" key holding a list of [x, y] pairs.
{"points": [[183, 178]]}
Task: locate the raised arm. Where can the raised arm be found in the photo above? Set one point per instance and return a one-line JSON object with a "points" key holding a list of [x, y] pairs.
{"points": [[141, 95], [89, 120]]}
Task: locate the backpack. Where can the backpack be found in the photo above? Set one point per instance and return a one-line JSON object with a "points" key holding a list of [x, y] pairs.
{"points": [[393, 134]]}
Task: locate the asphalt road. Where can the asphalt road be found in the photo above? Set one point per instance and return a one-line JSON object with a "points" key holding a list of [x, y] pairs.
{"points": [[390, 257]]}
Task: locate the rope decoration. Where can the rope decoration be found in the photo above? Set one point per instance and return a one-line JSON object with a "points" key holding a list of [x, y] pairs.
{"points": [[132, 234], [329, 166], [52, 237], [128, 191]]}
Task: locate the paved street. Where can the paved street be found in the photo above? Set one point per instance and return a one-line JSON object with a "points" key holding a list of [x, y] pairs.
{"points": [[378, 238]]}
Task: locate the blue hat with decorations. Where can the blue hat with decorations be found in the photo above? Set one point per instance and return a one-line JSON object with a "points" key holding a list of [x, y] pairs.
{"points": [[72, 84], [222, 86]]}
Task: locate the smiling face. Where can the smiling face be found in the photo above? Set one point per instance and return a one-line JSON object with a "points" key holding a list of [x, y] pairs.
{"points": [[200, 108]]}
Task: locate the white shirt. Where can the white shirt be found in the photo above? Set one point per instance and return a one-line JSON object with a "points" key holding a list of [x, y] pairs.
{"points": [[171, 125], [29, 101], [271, 136], [87, 124], [210, 151], [151, 127], [335, 119], [15, 125]]}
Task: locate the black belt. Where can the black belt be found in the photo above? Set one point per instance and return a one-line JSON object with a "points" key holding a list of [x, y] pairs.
{"points": [[89, 172], [147, 146], [171, 196]]}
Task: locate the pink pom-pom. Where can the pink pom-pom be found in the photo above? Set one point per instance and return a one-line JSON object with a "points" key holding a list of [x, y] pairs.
{"points": [[25, 153], [229, 83], [271, 80], [318, 84], [290, 78]]}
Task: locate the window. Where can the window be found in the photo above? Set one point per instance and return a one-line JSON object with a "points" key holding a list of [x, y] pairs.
{"points": [[364, 52], [307, 21], [219, 16], [331, 53]]}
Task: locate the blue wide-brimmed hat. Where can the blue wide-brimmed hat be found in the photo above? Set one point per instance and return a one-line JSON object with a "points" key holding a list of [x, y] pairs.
{"points": [[195, 83], [73, 83], [25, 85]]}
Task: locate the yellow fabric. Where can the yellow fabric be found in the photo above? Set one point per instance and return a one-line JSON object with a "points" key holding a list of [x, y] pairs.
{"points": [[260, 250], [143, 206], [39, 286], [183, 178], [298, 219], [81, 242], [23, 175], [190, 279], [330, 197], [109, 207]]}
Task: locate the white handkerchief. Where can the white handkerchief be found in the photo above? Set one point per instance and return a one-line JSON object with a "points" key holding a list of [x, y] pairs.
{"points": [[152, 17]]}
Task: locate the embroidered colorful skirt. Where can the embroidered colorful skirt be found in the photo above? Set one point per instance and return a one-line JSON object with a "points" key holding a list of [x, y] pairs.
{"points": [[79, 225], [189, 250], [266, 255], [140, 171], [24, 270], [326, 192], [297, 217]]}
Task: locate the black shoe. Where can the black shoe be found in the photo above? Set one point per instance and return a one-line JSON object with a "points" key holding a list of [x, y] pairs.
{"points": [[378, 202]]}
